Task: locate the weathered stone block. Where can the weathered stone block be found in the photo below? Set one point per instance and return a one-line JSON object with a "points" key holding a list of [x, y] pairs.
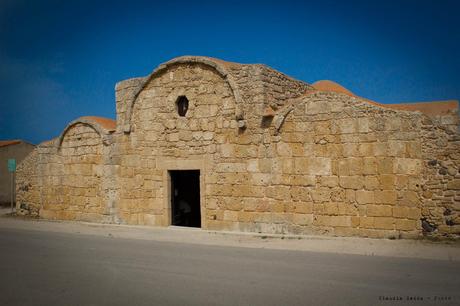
{"points": [[315, 107], [386, 196], [386, 223], [396, 148], [380, 149], [303, 207], [367, 222], [283, 149], [350, 149], [348, 209], [350, 195], [347, 126], [231, 167], [231, 203], [230, 215], [363, 125], [303, 180], [251, 191], [321, 194], [405, 225], [219, 190], [408, 198], [369, 165], [401, 182], [454, 184], [278, 192], [300, 193], [331, 208], [412, 213], [355, 221], [227, 150], [282, 219], [261, 179], [303, 219], [371, 182], [414, 149], [312, 165], [250, 204], [253, 165], [366, 149], [277, 206], [244, 216], [265, 217], [340, 221], [408, 166], [319, 220], [351, 182], [379, 210], [385, 165], [355, 166], [265, 165], [365, 197], [387, 181], [153, 220], [329, 181]]}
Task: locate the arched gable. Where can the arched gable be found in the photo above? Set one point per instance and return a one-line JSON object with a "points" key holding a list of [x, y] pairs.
{"points": [[102, 126], [218, 66]]}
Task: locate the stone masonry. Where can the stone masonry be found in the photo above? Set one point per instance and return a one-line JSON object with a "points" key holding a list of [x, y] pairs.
{"points": [[276, 155]]}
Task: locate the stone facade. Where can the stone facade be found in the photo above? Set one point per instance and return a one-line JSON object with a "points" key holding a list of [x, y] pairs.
{"points": [[67, 178], [275, 155]]}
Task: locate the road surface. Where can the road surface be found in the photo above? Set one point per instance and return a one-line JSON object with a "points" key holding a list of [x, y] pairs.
{"points": [[51, 268]]}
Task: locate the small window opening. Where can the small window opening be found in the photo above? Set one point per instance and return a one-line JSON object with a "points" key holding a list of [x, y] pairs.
{"points": [[182, 105]]}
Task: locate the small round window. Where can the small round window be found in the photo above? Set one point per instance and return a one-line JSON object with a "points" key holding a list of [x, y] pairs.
{"points": [[182, 105]]}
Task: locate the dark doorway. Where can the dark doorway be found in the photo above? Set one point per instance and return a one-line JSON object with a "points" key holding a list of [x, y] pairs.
{"points": [[185, 198]]}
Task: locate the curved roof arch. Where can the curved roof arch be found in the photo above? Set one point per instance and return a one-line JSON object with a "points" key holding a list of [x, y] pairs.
{"points": [[219, 66], [103, 126]]}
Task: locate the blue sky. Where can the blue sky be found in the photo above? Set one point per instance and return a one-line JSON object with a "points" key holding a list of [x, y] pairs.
{"points": [[60, 60]]}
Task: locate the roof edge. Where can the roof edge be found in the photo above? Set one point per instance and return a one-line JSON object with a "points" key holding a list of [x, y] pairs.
{"points": [[429, 108], [11, 142]]}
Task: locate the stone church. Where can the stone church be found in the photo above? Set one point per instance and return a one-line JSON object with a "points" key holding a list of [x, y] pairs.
{"points": [[217, 145]]}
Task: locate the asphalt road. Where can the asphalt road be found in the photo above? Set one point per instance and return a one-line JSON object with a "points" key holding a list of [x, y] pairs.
{"points": [[48, 268]]}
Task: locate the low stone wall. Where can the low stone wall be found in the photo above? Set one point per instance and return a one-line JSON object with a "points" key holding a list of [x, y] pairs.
{"points": [[441, 176], [65, 179], [72, 186], [28, 187]]}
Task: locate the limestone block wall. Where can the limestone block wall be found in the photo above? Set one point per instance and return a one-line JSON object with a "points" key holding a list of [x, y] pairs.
{"points": [[69, 178], [441, 176], [31, 175], [370, 179], [325, 163], [72, 179], [124, 92], [161, 140], [264, 87], [28, 185], [337, 165]]}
